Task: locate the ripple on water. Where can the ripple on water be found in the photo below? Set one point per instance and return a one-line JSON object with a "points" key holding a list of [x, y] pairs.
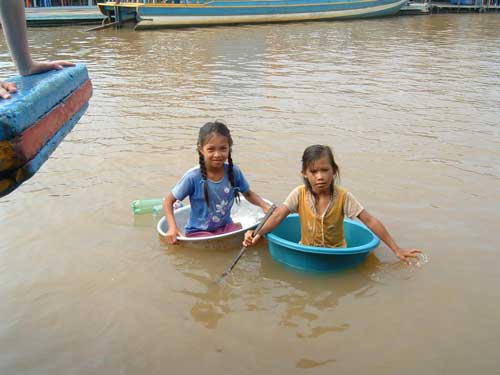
{"points": [[411, 108]]}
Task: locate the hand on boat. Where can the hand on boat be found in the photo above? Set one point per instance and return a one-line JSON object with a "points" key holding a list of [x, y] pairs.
{"points": [[45, 66], [406, 255], [7, 88]]}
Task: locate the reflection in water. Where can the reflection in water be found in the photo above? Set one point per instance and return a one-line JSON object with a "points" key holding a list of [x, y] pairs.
{"points": [[301, 301], [309, 363], [306, 302], [411, 107], [211, 300], [211, 305]]}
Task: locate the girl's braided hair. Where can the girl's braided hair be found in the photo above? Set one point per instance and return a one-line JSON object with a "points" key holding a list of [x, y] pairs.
{"points": [[206, 130]]}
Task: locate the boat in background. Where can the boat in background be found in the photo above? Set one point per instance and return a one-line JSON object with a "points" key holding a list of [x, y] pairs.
{"points": [[185, 13], [415, 8]]}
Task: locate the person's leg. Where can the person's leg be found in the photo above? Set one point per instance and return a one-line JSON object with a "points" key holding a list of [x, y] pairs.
{"points": [[228, 228], [201, 233]]}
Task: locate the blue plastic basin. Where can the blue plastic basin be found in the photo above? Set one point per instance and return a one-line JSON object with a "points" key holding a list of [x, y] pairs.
{"points": [[284, 247]]}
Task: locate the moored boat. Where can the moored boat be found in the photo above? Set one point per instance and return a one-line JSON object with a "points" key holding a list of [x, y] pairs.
{"points": [[179, 13]]}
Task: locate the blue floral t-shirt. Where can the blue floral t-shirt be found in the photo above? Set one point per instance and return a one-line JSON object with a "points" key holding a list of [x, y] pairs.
{"points": [[220, 195]]}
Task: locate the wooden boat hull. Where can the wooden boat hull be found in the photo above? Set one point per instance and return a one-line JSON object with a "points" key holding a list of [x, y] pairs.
{"points": [[37, 118], [247, 12]]}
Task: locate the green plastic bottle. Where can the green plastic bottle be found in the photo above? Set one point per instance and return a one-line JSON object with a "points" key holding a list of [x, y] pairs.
{"points": [[145, 206], [151, 206]]}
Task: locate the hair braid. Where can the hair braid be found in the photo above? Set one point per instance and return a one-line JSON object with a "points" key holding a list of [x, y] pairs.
{"points": [[203, 170], [230, 172], [216, 127]]}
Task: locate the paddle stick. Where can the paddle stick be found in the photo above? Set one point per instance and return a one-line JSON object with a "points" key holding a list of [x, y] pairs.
{"points": [[105, 26], [259, 227]]}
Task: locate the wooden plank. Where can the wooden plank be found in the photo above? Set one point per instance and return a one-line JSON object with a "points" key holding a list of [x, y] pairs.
{"points": [[53, 16], [36, 96]]}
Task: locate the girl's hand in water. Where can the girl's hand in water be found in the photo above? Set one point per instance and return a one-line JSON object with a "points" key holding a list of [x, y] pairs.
{"points": [[406, 255], [171, 236], [7, 88]]}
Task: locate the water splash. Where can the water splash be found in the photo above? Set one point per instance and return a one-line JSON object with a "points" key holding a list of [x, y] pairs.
{"points": [[421, 260]]}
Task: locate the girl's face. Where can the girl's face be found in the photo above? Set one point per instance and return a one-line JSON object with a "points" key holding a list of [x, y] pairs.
{"points": [[319, 173], [215, 151]]}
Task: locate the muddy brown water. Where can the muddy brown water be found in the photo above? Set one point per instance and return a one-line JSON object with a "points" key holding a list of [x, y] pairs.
{"points": [[410, 106]]}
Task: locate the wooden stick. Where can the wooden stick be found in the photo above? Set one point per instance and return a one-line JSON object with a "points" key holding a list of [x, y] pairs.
{"points": [[240, 254], [104, 26]]}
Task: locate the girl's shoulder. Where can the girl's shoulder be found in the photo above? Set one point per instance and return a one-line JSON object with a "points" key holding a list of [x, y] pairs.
{"points": [[341, 189], [193, 172], [235, 167], [298, 190], [236, 170]]}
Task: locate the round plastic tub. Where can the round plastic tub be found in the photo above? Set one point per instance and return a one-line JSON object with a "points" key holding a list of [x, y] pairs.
{"points": [[284, 247], [245, 213]]}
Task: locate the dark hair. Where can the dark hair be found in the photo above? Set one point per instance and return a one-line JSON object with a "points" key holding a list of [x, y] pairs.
{"points": [[316, 152], [216, 127]]}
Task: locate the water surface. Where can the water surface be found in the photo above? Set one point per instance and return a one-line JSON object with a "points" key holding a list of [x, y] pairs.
{"points": [[410, 106]]}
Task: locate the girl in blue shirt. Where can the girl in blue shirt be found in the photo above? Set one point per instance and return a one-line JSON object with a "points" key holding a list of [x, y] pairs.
{"points": [[212, 187]]}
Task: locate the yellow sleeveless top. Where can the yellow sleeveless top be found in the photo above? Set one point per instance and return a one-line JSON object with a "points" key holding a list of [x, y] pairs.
{"points": [[326, 230]]}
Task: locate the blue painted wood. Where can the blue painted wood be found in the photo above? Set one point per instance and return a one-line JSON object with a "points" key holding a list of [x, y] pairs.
{"points": [[204, 12], [34, 164], [233, 8], [37, 95], [267, 7]]}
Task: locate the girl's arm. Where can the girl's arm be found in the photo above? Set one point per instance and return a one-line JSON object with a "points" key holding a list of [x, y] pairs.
{"points": [[14, 28], [173, 231], [378, 228], [255, 199], [276, 218]]}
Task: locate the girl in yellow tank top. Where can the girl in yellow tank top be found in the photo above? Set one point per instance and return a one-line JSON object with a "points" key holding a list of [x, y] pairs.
{"points": [[322, 206]]}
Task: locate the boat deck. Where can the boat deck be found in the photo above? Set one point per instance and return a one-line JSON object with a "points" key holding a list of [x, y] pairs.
{"points": [[56, 16], [415, 8], [478, 6]]}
